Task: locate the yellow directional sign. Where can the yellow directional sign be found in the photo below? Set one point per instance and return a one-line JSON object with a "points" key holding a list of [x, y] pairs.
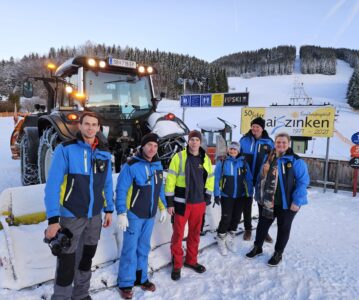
{"points": [[248, 114], [299, 120], [217, 100]]}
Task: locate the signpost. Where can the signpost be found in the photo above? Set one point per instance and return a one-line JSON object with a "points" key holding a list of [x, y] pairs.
{"points": [[355, 138], [354, 162], [300, 120], [354, 151], [211, 100], [215, 100]]}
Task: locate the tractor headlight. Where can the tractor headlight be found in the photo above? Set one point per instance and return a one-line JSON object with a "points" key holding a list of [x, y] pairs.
{"points": [[91, 62], [149, 69], [68, 89], [102, 64]]}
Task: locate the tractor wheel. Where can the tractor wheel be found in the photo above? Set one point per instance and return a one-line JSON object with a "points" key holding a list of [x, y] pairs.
{"points": [[48, 141], [29, 171], [167, 148]]}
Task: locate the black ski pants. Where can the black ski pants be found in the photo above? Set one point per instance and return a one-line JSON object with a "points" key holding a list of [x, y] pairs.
{"points": [[284, 223], [231, 214], [246, 209]]}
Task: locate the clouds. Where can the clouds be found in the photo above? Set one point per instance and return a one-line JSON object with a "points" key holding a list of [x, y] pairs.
{"points": [[347, 22], [334, 9]]}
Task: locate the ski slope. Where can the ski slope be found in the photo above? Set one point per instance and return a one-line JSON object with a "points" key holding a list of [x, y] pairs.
{"points": [[265, 91]]}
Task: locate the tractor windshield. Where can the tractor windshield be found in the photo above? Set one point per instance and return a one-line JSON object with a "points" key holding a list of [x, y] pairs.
{"points": [[118, 95]]}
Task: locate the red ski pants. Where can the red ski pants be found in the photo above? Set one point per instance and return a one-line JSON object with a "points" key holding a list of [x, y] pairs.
{"points": [[194, 215]]}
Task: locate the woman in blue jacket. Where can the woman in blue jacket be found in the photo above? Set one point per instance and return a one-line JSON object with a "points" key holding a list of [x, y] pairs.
{"points": [[281, 190], [232, 187]]}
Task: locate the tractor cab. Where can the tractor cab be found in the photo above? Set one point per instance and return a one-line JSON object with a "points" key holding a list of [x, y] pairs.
{"points": [[120, 91]]}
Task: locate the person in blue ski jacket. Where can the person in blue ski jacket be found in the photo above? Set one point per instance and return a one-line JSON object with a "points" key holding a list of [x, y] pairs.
{"points": [[78, 188], [255, 146], [232, 187], [139, 192], [281, 190]]}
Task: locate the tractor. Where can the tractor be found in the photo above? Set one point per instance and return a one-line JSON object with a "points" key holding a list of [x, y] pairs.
{"points": [[119, 91]]}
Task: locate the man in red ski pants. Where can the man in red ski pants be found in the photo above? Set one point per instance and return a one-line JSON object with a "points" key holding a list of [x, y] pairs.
{"points": [[189, 187]]}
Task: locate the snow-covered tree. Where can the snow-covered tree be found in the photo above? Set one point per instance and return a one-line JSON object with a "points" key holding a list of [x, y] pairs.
{"points": [[353, 90]]}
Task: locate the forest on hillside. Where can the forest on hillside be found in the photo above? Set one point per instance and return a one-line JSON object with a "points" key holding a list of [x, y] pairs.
{"points": [[262, 62], [280, 61], [319, 60], [175, 71], [178, 71]]}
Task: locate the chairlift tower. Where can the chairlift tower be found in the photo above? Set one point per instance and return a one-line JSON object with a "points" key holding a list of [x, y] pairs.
{"points": [[300, 97]]}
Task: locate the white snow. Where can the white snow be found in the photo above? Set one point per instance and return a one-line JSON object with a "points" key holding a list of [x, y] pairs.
{"points": [[213, 124], [163, 128], [321, 259], [320, 262], [10, 169]]}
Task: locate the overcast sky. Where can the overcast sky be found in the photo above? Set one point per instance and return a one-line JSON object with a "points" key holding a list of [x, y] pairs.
{"points": [[207, 29]]}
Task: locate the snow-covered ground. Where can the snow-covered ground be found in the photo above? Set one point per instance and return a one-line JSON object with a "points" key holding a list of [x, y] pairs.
{"points": [[320, 262], [321, 259]]}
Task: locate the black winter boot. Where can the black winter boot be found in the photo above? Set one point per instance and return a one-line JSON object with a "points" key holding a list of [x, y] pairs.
{"points": [[175, 274], [197, 267], [254, 252], [275, 259]]}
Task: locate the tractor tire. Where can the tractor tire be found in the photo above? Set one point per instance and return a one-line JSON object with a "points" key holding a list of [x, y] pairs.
{"points": [[167, 148], [48, 142], [29, 170]]}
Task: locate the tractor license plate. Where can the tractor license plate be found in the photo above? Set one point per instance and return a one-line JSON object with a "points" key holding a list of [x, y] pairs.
{"points": [[122, 63]]}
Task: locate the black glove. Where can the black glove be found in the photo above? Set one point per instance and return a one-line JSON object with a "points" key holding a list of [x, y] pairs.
{"points": [[169, 200], [207, 198], [217, 200]]}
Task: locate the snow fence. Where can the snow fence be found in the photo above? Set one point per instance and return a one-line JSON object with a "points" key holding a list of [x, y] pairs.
{"points": [[25, 260]]}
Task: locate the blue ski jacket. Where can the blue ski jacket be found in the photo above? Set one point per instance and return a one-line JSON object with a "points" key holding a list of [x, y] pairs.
{"points": [[140, 188], [293, 180], [256, 151], [80, 181], [233, 178]]}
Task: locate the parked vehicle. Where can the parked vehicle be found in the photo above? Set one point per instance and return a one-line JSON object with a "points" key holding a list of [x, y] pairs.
{"points": [[120, 91]]}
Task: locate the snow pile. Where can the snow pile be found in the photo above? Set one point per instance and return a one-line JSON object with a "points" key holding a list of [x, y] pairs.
{"points": [[212, 124], [19, 268], [26, 260], [163, 128]]}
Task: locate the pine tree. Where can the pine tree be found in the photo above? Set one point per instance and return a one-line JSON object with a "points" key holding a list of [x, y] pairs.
{"points": [[353, 90]]}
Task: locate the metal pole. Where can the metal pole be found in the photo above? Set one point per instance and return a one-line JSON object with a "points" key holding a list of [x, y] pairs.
{"points": [[355, 182], [184, 92], [326, 166], [336, 184], [183, 111]]}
